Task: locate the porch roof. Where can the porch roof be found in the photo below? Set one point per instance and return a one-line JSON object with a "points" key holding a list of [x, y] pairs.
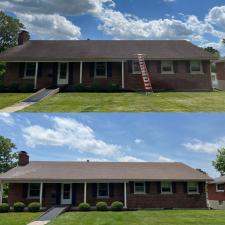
{"points": [[103, 171], [104, 50], [219, 180]]}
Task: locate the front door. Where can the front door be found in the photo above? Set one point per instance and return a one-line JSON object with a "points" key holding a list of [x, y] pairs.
{"points": [[66, 194], [63, 73]]}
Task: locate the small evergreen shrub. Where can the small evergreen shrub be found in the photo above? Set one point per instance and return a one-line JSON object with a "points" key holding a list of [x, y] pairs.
{"points": [[13, 88], [4, 207], [80, 88], [26, 88], [117, 206], [2, 88], [84, 207], [96, 87], [113, 87], [18, 206], [34, 207], [102, 206]]}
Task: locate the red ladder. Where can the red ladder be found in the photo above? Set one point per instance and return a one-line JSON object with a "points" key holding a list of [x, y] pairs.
{"points": [[145, 74]]}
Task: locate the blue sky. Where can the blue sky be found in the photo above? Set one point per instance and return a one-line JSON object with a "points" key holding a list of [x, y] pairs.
{"points": [[192, 138], [202, 21]]}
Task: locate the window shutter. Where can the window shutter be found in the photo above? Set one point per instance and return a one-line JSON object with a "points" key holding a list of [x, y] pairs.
{"points": [[147, 187], [21, 69], [205, 66], [109, 69], [185, 187], [175, 68], [174, 187], [158, 184], [111, 190], [25, 191], [201, 187], [129, 63], [55, 73], [159, 63], [44, 190], [58, 194], [92, 69], [188, 64], [71, 73], [131, 187], [73, 194], [94, 190], [40, 66]]}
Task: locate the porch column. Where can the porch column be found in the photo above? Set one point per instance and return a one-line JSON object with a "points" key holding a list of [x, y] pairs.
{"points": [[41, 193], [123, 74], [85, 192], [1, 192], [35, 77], [81, 72], [125, 195]]}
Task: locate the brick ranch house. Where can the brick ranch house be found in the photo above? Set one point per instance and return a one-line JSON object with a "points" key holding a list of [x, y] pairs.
{"points": [[216, 193], [174, 65], [137, 185], [220, 73]]}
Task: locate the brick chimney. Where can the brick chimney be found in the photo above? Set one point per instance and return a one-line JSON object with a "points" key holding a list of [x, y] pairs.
{"points": [[23, 158], [24, 36]]}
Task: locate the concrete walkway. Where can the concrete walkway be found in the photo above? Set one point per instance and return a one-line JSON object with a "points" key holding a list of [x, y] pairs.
{"points": [[36, 97], [39, 223]]}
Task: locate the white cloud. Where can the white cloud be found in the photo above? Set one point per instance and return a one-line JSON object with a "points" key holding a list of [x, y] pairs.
{"points": [[128, 158], [216, 16], [169, 0], [92, 159], [164, 159], [7, 119], [138, 141], [200, 146], [49, 26], [70, 133]]}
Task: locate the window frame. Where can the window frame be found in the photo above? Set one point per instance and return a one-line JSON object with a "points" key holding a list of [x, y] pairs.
{"points": [[201, 67], [172, 67], [188, 186], [218, 190], [99, 196], [29, 189], [135, 71], [106, 70], [166, 192], [140, 192], [25, 70]]}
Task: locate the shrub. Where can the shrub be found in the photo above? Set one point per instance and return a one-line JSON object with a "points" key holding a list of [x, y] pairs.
{"points": [[117, 206], [18, 206], [34, 207], [84, 207], [96, 87], [80, 88], [4, 207], [102, 206], [113, 87], [26, 88], [13, 88]]}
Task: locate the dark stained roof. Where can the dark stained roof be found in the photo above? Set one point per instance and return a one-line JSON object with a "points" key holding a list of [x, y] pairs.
{"points": [[100, 50], [87, 171]]}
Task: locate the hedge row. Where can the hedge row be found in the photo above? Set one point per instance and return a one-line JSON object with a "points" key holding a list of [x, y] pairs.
{"points": [[102, 206], [20, 206]]}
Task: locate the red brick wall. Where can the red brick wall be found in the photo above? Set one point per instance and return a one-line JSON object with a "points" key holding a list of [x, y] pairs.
{"points": [[213, 195], [220, 70], [182, 80]]}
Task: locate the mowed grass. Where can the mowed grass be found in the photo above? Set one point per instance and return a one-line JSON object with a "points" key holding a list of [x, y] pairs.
{"points": [[170, 217], [8, 99], [17, 218], [132, 102]]}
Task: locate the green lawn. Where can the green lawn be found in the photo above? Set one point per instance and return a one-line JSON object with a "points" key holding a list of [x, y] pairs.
{"points": [[133, 102], [8, 99], [17, 218], [173, 217]]}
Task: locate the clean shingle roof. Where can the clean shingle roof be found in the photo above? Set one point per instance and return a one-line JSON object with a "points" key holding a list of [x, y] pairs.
{"points": [[80, 171], [219, 180], [100, 50]]}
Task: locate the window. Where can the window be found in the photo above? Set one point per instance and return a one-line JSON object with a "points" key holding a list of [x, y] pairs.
{"points": [[30, 69], [220, 187], [34, 191], [167, 67], [136, 67], [166, 187], [139, 187], [63, 70], [196, 67], [193, 188], [220, 202], [103, 190], [101, 69]]}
